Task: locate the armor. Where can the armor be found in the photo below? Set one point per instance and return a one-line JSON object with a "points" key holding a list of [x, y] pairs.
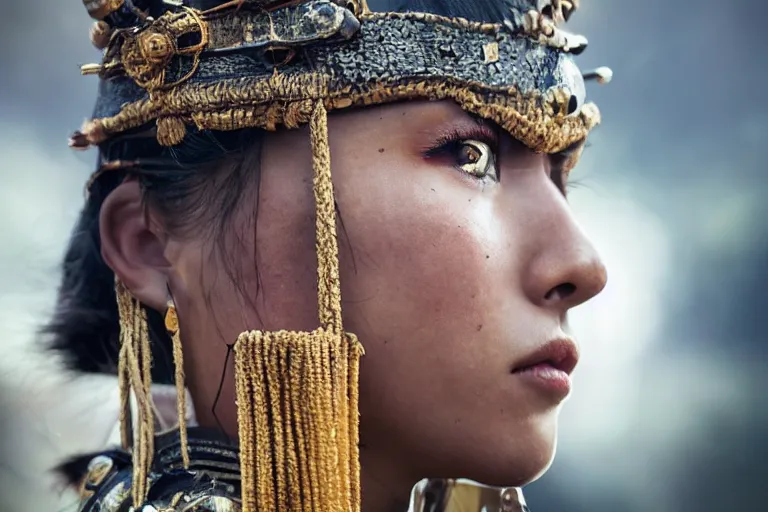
{"points": [[211, 482]]}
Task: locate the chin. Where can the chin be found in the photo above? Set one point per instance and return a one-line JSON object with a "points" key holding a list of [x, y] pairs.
{"points": [[523, 457]]}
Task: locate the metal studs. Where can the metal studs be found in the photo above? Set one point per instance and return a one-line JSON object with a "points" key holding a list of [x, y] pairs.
{"points": [[155, 46], [601, 75], [98, 469], [100, 34], [491, 52]]}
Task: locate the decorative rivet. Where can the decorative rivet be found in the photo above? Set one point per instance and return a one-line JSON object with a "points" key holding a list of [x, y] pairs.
{"points": [[100, 34], [491, 52], [602, 75], [98, 469], [155, 47]]}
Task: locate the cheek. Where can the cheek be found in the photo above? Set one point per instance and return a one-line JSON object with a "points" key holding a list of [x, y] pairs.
{"points": [[420, 262], [412, 238], [422, 282]]}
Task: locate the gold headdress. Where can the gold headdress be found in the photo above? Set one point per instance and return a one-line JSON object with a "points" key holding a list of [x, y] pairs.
{"points": [[173, 66]]}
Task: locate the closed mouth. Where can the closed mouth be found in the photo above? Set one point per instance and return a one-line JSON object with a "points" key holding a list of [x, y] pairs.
{"points": [[561, 354]]}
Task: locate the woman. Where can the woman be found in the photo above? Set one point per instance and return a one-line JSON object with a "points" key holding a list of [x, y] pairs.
{"points": [[214, 213]]}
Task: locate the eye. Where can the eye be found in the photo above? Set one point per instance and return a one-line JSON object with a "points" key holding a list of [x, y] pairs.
{"points": [[470, 149], [477, 159]]}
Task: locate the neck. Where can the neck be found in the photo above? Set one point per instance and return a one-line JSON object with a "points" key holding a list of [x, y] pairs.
{"points": [[390, 486], [386, 481]]}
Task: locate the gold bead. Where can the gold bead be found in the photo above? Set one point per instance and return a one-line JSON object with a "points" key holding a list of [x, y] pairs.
{"points": [[171, 319], [101, 33], [170, 131]]}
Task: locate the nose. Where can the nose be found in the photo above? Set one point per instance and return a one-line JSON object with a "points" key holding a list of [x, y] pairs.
{"points": [[564, 268]]}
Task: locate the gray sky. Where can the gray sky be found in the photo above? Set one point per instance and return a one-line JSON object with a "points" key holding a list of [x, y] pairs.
{"points": [[669, 411]]}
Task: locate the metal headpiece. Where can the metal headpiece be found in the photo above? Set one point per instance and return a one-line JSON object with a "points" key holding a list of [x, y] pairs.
{"points": [[258, 63]]}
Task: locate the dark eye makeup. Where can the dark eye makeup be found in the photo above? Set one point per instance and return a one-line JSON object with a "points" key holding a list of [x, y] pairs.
{"points": [[473, 150]]}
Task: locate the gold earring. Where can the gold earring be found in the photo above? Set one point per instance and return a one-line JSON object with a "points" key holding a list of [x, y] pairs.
{"points": [[172, 326], [134, 374]]}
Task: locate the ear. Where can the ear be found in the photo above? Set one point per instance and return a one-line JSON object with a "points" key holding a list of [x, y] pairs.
{"points": [[133, 246]]}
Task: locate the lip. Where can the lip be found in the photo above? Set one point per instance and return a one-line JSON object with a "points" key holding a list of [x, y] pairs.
{"points": [[550, 366]]}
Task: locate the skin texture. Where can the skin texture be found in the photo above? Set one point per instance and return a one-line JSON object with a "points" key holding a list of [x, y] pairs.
{"points": [[449, 282]]}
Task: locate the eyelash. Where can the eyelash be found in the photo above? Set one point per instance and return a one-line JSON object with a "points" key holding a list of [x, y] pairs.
{"points": [[561, 166], [448, 144]]}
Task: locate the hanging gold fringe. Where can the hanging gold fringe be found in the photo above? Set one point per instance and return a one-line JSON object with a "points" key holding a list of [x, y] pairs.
{"points": [[134, 374], [297, 392], [172, 326]]}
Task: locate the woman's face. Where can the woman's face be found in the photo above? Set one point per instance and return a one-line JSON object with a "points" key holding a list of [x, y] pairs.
{"points": [[460, 259]]}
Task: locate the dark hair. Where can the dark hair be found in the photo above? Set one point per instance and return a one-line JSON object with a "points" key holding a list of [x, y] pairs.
{"points": [[199, 185]]}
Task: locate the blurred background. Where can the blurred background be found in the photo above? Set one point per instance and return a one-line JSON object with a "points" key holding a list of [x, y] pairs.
{"points": [[670, 412]]}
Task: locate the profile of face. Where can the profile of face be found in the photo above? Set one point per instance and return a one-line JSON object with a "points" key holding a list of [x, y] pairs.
{"points": [[459, 261]]}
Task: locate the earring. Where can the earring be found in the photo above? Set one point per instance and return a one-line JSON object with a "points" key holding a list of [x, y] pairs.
{"points": [[134, 374], [172, 326]]}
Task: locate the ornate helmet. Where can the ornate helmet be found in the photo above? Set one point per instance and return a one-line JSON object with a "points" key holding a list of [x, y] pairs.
{"points": [[175, 67]]}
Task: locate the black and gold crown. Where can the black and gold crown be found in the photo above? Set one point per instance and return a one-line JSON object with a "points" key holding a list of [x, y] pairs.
{"points": [[260, 63], [172, 67]]}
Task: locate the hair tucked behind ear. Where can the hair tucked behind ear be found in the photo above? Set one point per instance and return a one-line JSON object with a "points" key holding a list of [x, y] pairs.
{"points": [[200, 188]]}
